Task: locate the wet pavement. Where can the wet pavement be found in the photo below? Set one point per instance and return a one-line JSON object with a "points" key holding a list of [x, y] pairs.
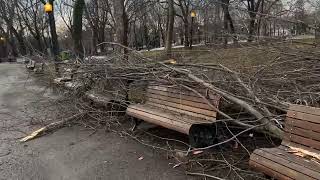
{"points": [[71, 152]]}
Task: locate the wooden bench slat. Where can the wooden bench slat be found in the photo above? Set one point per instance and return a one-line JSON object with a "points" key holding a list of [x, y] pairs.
{"points": [[184, 91], [169, 120], [174, 125], [282, 152], [266, 170], [208, 118], [214, 101], [302, 140], [305, 109], [303, 132], [303, 124], [187, 100], [181, 101], [281, 165], [168, 113], [304, 116], [183, 107]]}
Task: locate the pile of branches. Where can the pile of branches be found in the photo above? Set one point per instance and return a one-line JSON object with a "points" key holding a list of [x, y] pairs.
{"points": [[254, 97], [263, 92]]}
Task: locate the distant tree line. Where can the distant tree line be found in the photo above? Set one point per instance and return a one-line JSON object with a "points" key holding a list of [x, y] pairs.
{"points": [[82, 25]]}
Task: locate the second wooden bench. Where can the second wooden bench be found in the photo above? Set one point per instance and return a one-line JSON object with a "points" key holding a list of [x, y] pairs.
{"points": [[298, 157]]}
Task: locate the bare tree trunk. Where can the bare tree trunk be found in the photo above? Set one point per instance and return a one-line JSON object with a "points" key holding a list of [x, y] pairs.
{"points": [[225, 30], [228, 22], [170, 28], [13, 30], [205, 26], [260, 19], [186, 33], [77, 27], [253, 8], [3, 49], [121, 20], [217, 22], [53, 31], [317, 35]]}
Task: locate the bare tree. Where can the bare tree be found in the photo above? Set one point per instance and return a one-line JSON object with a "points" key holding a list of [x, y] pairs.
{"points": [[77, 26], [31, 15], [228, 22], [253, 8], [53, 31], [121, 21], [7, 13], [171, 15], [185, 9]]}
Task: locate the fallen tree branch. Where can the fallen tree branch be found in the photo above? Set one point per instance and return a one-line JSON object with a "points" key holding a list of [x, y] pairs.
{"points": [[217, 110], [268, 125], [51, 127]]}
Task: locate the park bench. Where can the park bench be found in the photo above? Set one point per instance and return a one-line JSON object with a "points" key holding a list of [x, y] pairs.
{"points": [[298, 156], [178, 109]]}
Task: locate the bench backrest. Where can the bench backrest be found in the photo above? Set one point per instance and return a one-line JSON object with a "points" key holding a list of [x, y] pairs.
{"points": [[302, 127], [183, 101]]}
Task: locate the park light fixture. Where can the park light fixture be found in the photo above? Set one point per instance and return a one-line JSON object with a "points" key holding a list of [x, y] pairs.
{"points": [[193, 14], [2, 39], [48, 8]]}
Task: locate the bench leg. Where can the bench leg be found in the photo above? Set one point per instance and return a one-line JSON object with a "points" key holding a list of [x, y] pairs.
{"points": [[136, 123], [202, 135]]}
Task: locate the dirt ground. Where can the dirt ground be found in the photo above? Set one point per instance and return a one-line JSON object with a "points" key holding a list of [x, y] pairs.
{"points": [[71, 152]]}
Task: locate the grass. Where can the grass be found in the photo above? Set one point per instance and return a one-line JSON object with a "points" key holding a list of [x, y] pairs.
{"points": [[237, 58]]}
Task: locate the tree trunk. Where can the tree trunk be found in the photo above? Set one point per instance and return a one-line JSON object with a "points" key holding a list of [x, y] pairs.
{"points": [[53, 31], [3, 50], [225, 30], [317, 35], [22, 46], [186, 33], [94, 40], [77, 27], [228, 23], [13, 46], [170, 28], [121, 20], [251, 29], [253, 8]]}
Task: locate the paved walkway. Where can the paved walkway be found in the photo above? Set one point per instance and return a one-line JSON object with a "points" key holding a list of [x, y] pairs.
{"points": [[70, 153]]}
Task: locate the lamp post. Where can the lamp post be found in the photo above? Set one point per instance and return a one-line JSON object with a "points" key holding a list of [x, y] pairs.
{"points": [[3, 52], [193, 15], [48, 8]]}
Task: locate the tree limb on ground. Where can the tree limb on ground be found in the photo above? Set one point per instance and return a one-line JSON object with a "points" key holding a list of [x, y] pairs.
{"points": [[269, 126], [51, 127]]}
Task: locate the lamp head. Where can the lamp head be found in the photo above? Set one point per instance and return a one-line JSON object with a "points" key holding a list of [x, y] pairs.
{"points": [[48, 8], [193, 13]]}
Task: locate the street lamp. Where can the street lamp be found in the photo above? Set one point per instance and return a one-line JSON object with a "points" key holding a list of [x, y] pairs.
{"points": [[193, 14], [48, 8], [2, 39]]}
